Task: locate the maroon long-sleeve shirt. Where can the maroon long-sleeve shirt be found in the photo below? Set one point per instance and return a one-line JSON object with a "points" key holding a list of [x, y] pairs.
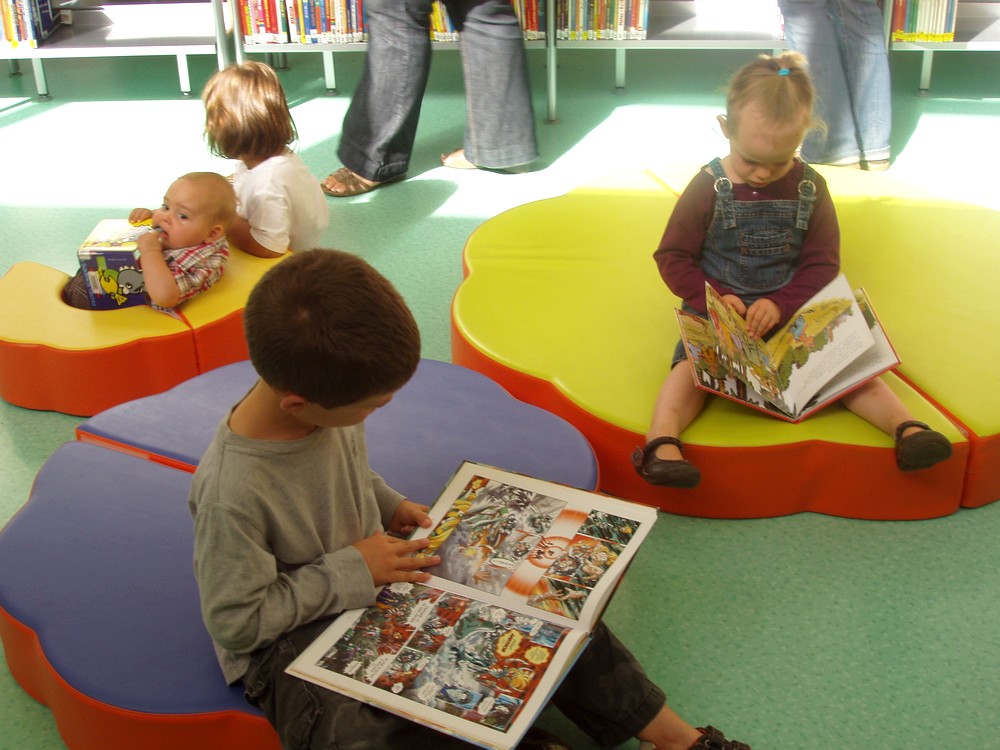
{"points": [[681, 246]]}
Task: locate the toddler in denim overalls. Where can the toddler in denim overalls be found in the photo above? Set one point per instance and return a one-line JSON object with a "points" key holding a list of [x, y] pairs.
{"points": [[760, 227]]}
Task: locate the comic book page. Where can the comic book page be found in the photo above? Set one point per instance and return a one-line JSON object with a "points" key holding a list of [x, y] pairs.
{"points": [[527, 568]]}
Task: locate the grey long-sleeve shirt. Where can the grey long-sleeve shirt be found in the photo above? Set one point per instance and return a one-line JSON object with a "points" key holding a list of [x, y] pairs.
{"points": [[273, 527]]}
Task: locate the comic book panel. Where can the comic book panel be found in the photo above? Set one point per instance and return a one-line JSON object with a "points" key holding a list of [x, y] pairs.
{"points": [[609, 526], [561, 597], [584, 561], [489, 663], [489, 531], [381, 632]]}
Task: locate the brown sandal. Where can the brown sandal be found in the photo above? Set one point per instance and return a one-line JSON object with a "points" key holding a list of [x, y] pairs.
{"points": [[348, 184], [661, 472], [920, 450]]}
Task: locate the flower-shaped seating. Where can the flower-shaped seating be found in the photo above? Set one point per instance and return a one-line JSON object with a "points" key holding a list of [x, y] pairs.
{"points": [[99, 611], [562, 304], [58, 358]]}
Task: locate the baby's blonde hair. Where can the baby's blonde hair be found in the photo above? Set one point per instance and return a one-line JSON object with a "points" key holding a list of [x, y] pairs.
{"points": [[779, 85], [218, 193], [246, 113]]}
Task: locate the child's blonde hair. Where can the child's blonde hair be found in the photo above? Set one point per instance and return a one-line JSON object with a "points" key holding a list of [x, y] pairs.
{"points": [[779, 85], [246, 113]]}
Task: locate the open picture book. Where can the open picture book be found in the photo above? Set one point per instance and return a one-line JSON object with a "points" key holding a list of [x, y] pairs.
{"points": [[831, 345], [527, 567]]}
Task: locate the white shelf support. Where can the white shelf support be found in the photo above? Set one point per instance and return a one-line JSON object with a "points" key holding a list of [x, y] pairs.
{"points": [[329, 74], [184, 75], [551, 73]]}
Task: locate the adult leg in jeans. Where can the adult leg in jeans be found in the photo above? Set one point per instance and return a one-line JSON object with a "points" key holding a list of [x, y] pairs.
{"points": [[381, 122], [845, 45], [866, 58], [500, 123]]}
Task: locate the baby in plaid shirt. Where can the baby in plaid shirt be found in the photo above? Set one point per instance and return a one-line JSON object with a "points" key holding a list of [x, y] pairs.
{"points": [[187, 250]]}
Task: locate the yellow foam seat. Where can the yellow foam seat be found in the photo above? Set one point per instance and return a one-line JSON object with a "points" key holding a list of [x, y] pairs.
{"points": [[58, 358], [562, 304]]}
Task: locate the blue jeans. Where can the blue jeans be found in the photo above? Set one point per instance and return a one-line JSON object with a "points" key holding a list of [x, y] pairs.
{"points": [[844, 42], [381, 123]]}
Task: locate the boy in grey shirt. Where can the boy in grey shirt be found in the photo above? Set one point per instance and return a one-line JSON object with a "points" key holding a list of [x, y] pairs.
{"points": [[290, 521]]}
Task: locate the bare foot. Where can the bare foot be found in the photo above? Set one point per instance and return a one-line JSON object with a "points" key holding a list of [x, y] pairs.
{"points": [[456, 160]]}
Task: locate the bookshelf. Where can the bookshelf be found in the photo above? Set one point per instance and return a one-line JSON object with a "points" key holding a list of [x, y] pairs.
{"points": [[108, 28], [977, 28], [326, 49], [179, 28], [672, 24]]}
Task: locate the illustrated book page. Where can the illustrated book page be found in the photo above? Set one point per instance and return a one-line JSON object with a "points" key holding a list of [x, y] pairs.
{"points": [[832, 344], [527, 567]]}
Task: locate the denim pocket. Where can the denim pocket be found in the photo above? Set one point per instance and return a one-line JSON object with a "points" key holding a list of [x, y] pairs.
{"points": [[766, 259]]}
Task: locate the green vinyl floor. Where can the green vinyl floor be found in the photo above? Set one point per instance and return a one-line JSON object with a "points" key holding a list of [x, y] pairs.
{"points": [[806, 632]]}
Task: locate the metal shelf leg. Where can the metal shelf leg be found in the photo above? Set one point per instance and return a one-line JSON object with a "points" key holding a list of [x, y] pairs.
{"points": [[329, 74], [620, 70], [926, 63], [550, 59], [41, 84], [184, 75]]}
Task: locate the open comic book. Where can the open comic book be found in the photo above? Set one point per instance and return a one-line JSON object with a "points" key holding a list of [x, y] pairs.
{"points": [[833, 344], [527, 567]]}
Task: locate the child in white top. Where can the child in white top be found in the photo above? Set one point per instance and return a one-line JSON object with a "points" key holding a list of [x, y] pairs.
{"points": [[280, 204]]}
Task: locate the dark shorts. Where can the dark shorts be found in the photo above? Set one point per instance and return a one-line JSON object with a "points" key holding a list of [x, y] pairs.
{"points": [[607, 695]]}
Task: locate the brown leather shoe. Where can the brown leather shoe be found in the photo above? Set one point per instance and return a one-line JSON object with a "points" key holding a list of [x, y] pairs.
{"points": [[712, 739], [920, 450], [661, 472]]}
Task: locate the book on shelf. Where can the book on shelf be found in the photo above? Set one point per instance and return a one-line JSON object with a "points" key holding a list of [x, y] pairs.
{"points": [[597, 20], [27, 22], [830, 346], [527, 567], [109, 261], [343, 21], [924, 20]]}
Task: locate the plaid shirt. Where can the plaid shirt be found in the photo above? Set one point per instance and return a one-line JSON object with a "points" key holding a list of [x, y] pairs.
{"points": [[196, 268]]}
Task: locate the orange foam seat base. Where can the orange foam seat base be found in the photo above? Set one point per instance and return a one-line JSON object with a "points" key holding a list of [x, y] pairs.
{"points": [[749, 482], [85, 382], [982, 485], [220, 342], [93, 725]]}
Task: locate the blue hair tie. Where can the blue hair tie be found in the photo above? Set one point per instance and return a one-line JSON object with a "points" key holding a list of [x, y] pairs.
{"points": [[783, 72]]}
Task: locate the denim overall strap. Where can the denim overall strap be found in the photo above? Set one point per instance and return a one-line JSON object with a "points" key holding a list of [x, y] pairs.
{"points": [[807, 198], [752, 246], [724, 194]]}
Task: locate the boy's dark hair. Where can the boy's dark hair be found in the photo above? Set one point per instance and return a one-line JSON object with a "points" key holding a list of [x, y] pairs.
{"points": [[326, 326]]}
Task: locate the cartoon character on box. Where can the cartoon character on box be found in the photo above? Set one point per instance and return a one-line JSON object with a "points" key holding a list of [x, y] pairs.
{"points": [[119, 285], [109, 260]]}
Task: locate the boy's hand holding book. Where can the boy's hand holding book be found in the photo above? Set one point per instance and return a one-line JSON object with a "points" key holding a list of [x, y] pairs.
{"points": [[408, 517], [391, 560]]}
